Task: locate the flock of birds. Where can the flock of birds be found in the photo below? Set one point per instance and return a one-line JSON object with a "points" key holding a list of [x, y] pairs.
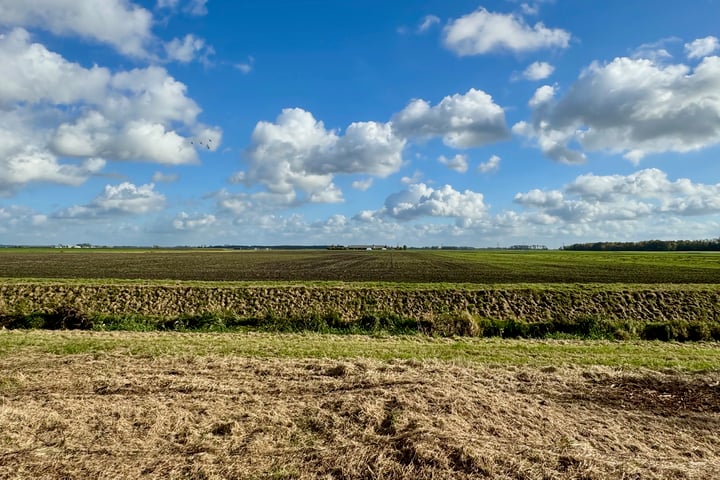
{"points": [[206, 144]]}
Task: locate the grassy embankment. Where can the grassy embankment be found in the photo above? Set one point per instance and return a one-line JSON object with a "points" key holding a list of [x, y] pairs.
{"points": [[537, 311]]}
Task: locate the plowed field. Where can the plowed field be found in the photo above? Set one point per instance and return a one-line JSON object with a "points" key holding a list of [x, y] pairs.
{"points": [[410, 266]]}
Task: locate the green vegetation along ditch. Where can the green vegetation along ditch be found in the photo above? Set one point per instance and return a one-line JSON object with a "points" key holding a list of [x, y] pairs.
{"points": [[662, 312]]}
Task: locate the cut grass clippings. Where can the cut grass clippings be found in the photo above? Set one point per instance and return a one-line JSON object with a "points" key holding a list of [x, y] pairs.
{"points": [[77, 404]]}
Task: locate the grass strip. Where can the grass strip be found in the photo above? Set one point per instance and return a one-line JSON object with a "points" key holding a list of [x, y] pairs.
{"points": [[690, 357]]}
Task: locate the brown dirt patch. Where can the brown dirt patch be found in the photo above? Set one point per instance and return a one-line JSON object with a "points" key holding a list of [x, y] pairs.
{"points": [[119, 416]]}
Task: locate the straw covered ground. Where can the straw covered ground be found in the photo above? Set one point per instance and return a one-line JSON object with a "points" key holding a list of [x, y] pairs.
{"points": [[107, 405]]}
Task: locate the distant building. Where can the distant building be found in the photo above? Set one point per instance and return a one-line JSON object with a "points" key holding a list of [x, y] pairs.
{"points": [[528, 247]]}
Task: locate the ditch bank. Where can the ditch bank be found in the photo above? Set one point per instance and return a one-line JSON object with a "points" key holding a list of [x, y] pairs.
{"points": [[349, 303]]}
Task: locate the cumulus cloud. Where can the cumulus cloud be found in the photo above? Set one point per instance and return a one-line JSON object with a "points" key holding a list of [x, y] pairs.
{"points": [[542, 95], [297, 153], [420, 200], [461, 120], [123, 199], [185, 50], [30, 166], [540, 199], [52, 108], [34, 74], [119, 23], [538, 71], [482, 32], [702, 47], [23, 161], [491, 166], [630, 106], [184, 221], [458, 162], [643, 194]]}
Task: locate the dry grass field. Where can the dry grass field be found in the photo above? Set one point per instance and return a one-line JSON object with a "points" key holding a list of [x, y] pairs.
{"points": [[148, 405]]}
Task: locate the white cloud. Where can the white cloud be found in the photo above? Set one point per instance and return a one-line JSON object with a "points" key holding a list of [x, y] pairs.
{"points": [[95, 135], [123, 199], [427, 22], [420, 200], [184, 221], [528, 9], [644, 194], [491, 166], [119, 23], [23, 161], [167, 4], [151, 94], [362, 185], [655, 51], [184, 50], [629, 106], [482, 32], [462, 121], [29, 166], [15, 218], [34, 74], [197, 7], [414, 178], [298, 153], [52, 108], [538, 71], [540, 198], [702, 47], [235, 204], [331, 194], [190, 7], [458, 162], [542, 95], [160, 177], [246, 67]]}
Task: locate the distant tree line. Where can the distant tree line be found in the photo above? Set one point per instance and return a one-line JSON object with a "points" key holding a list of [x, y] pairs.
{"points": [[649, 246]]}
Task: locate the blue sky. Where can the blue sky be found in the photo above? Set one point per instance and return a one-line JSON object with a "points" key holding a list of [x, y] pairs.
{"points": [[192, 122]]}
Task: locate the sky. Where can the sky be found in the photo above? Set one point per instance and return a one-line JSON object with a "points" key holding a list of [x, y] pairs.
{"points": [[317, 122]]}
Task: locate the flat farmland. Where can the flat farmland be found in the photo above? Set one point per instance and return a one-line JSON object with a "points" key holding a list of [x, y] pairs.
{"points": [[411, 266], [447, 404]]}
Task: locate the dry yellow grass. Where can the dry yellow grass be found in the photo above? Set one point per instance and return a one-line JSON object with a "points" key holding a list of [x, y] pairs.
{"points": [[116, 415]]}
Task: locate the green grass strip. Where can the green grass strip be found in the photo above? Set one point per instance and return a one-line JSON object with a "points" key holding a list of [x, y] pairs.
{"points": [[690, 357]]}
